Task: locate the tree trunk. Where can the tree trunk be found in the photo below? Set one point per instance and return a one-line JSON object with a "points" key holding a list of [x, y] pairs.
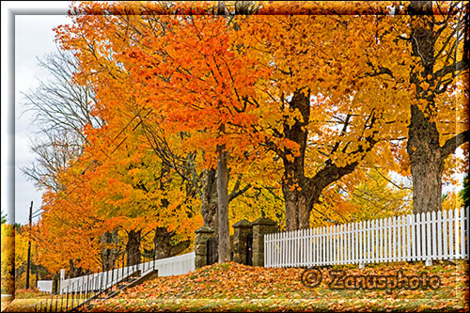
{"points": [[295, 186], [298, 207], [163, 246], [423, 137], [425, 152], [108, 256], [301, 192], [220, 7], [426, 161], [161, 242], [133, 247], [222, 197], [209, 200]]}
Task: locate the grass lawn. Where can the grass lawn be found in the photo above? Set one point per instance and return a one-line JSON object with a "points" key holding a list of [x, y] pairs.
{"points": [[235, 287]]}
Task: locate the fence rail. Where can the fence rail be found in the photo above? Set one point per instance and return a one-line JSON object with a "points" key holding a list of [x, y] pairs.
{"points": [[79, 291], [45, 285], [176, 265], [426, 236]]}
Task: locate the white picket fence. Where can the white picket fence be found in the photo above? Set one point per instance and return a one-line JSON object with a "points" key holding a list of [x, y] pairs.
{"points": [[176, 265], [44, 285], [414, 237]]}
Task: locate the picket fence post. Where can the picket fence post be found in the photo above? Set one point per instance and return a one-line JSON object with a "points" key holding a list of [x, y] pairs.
{"points": [[415, 237]]}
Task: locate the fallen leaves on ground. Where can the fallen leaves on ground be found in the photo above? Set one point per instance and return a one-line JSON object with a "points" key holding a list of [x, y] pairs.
{"points": [[32, 293], [236, 287]]}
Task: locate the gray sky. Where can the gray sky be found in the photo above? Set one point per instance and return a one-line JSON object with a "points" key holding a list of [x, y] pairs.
{"points": [[33, 37]]}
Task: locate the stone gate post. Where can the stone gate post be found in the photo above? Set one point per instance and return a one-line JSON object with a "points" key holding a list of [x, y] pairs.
{"points": [[261, 227], [242, 229], [203, 234]]}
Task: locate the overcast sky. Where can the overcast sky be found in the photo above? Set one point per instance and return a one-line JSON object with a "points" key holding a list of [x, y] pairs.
{"points": [[33, 38]]}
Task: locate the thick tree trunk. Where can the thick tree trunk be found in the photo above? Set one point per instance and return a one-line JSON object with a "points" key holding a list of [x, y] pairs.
{"points": [[163, 246], [295, 186], [209, 200], [222, 196], [423, 144], [108, 256], [301, 192], [425, 152], [133, 247], [299, 204], [426, 161], [161, 242]]}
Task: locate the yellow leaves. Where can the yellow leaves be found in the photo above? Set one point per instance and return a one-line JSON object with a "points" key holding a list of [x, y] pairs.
{"points": [[8, 258], [425, 85], [452, 201], [195, 73], [381, 196]]}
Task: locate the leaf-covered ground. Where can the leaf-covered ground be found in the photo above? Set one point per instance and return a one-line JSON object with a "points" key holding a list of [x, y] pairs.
{"points": [[238, 287], [235, 287], [22, 299], [6, 301]]}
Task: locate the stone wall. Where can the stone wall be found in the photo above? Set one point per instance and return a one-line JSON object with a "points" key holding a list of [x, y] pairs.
{"points": [[244, 231]]}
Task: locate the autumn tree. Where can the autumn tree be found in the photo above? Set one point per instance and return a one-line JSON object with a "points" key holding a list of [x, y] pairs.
{"points": [[185, 117], [380, 197], [306, 94], [7, 258], [387, 62], [286, 90], [439, 39], [61, 110], [335, 105]]}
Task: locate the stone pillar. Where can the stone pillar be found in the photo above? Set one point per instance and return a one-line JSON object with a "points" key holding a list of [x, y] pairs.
{"points": [[241, 231], [261, 227], [202, 235]]}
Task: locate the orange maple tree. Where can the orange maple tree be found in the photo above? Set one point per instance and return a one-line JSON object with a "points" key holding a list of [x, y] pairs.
{"points": [[302, 104]]}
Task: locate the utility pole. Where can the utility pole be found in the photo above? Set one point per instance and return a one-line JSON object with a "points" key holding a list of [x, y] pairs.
{"points": [[37, 274], [29, 245]]}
